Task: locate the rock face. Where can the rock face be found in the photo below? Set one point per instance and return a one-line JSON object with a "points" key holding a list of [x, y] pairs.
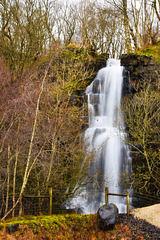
{"points": [[107, 216], [141, 68]]}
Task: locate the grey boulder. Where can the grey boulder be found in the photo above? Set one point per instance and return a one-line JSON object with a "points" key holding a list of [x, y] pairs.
{"points": [[107, 216]]}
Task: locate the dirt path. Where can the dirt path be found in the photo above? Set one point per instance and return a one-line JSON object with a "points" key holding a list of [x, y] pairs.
{"points": [[151, 214]]}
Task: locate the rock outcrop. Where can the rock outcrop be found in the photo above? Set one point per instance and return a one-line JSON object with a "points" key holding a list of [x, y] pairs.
{"points": [[141, 68]]}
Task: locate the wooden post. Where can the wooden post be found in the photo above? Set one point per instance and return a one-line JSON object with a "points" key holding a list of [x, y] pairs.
{"points": [[106, 195], [50, 200], [127, 202], [22, 202], [39, 203]]}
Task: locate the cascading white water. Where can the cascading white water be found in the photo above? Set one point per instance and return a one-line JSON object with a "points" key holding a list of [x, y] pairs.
{"points": [[103, 140]]}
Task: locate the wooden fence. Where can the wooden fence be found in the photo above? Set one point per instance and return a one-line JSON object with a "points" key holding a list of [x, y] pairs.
{"points": [[48, 199], [115, 194], [46, 204]]}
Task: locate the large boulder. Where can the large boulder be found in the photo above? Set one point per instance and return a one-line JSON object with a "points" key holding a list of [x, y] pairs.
{"points": [[107, 216]]}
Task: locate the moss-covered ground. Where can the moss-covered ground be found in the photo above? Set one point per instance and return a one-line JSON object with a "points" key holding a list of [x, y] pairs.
{"points": [[64, 226], [152, 50]]}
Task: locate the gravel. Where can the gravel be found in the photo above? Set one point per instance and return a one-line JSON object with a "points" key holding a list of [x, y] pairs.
{"points": [[139, 227]]}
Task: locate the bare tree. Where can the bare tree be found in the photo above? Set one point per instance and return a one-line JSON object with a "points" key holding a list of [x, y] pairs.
{"points": [[142, 119], [140, 26], [70, 23], [46, 143], [156, 4], [26, 31]]}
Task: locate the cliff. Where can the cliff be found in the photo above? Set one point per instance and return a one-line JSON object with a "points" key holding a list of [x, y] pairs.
{"points": [[141, 68]]}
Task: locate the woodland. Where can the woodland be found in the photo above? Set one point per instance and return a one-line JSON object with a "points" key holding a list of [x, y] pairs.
{"points": [[48, 53]]}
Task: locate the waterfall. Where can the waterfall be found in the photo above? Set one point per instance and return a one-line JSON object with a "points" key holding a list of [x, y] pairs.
{"points": [[103, 139]]}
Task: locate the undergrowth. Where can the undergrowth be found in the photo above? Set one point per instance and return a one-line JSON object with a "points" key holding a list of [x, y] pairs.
{"points": [[66, 226]]}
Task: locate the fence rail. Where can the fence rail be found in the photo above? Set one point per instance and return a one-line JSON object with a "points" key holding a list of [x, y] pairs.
{"points": [[36, 205], [116, 194]]}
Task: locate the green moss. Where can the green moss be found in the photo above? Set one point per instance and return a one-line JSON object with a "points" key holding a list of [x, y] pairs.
{"points": [[74, 52], [152, 51], [56, 221], [66, 226], [102, 56], [158, 43]]}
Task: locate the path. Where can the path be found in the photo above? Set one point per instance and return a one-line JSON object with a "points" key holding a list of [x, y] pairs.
{"points": [[151, 214]]}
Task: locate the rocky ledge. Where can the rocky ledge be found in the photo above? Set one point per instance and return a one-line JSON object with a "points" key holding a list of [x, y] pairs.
{"points": [[141, 68]]}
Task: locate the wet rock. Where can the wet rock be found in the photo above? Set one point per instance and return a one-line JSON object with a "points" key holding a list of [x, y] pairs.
{"points": [[107, 216], [127, 87], [94, 98], [12, 228], [79, 210], [95, 88], [96, 109]]}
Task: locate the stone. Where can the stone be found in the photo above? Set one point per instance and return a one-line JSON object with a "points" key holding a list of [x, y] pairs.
{"points": [[141, 69], [95, 88], [94, 98], [107, 216], [127, 87], [12, 228], [79, 210], [96, 109]]}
